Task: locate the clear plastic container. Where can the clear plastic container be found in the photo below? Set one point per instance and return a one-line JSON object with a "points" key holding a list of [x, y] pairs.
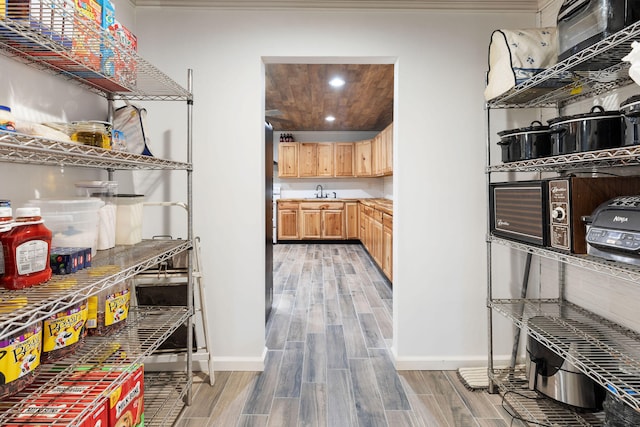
{"points": [[108, 310], [20, 371], [74, 222], [106, 191]]}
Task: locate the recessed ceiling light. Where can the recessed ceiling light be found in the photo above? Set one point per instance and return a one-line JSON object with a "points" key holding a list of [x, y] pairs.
{"points": [[336, 82], [329, 118]]}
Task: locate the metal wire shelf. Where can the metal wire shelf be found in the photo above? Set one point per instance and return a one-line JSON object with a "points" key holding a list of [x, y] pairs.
{"points": [[606, 352], [164, 405], [568, 81], [600, 265], [20, 148], [108, 268], [147, 328], [624, 156], [52, 36], [529, 405]]}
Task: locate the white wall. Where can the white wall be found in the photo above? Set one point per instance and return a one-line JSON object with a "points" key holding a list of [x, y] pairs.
{"points": [[438, 183]]}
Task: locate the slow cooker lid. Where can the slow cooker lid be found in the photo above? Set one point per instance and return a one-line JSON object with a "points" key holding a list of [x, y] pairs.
{"points": [[596, 112], [535, 127]]}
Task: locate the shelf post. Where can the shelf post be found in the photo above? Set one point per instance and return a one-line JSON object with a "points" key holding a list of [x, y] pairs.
{"points": [[189, 396]]}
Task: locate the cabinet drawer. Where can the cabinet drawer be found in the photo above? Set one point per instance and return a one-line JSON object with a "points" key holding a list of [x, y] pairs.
{"points": [[377, 215], [368, 211], [288, 205], [322, 205]]}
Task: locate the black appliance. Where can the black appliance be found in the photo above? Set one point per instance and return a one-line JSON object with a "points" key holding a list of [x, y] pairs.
{"points": [[525, 143], [614, 230], [559, 379], [549, 212], [595, 130], [630, 109], [582, 23]]}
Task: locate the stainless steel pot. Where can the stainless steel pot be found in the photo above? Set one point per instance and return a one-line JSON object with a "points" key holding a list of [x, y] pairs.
{"points": [[559, 379], [596, 130], [525, 143]]}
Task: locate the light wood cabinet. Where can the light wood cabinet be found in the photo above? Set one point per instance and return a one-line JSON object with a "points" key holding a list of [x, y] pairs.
{"points": [[352, 225], [387, 245], [322, 220], [308, 159], [363, 158], [288, 228], [344, 158], [288, 160], [387, 138], [376, 234], [325, 159], [377, 155]]}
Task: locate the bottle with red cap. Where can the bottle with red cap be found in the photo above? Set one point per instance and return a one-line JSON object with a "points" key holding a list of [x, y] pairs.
{"points": [[26, 249]]}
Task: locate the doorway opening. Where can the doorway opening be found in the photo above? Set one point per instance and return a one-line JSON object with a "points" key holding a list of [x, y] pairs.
{"points": [[332, 101]]}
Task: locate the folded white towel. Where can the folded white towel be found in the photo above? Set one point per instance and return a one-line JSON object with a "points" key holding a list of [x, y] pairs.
{"points": [[517, 55]]}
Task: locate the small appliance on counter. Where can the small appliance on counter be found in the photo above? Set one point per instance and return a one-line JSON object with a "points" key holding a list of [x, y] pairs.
{"points": [[583, 23], [558, 379], [614, 230]]}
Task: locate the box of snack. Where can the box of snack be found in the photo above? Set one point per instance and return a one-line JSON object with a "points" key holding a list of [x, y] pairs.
{"points": [[87, 32]]}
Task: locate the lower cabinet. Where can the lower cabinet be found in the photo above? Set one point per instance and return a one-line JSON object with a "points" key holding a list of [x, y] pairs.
{"points": [[352, 224], [387, 245], [288, 221], [322, 220], [376, 234]]}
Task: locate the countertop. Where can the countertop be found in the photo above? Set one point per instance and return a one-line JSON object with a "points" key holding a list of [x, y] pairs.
{"points": [[384, 205]]}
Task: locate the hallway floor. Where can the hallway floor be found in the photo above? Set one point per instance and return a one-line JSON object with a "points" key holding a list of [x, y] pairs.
{"points": [[328, 362]]}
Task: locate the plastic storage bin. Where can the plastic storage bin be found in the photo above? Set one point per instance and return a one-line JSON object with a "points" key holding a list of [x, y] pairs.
{"points": [[73, 222], [129, 219], [105, 191]]}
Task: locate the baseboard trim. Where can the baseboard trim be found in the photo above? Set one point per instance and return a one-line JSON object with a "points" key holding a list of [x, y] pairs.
{"points": [[449, 363], [253, 364]]}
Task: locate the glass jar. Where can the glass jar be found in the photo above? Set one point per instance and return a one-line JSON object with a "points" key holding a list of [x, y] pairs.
{"points": [[93, 133], [63, 333], [108, 310]]}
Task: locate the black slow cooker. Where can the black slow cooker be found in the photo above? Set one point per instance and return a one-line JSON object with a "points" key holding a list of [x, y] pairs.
{"points": [[630, 109], [596, 130], [525, 143]]}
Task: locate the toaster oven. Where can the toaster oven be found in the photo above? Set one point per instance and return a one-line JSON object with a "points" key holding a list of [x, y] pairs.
{"points": [[550, 212], [582, 23]]}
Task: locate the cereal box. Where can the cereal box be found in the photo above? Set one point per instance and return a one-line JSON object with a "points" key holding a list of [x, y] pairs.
{"points": [[87, 30]]}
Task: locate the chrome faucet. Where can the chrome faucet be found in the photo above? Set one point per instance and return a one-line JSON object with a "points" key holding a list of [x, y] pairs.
{"points": [[320, 195]]}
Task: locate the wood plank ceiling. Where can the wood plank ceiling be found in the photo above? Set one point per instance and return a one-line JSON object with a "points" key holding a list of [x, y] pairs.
{"points": [[299, 97]]}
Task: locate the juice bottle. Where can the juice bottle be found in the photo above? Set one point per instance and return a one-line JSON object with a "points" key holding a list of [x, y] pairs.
{"points": [[26, 251]]}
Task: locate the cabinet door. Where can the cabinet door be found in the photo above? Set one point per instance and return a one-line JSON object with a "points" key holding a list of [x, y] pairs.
{"points": [[376, 241], [363, 158], [325, 159], [333, 224], [288, 160], [387, 246], [377, 155], [388, 148], [311, 224], [344, 155], [352, 225], [288, 224], [308, 159]]}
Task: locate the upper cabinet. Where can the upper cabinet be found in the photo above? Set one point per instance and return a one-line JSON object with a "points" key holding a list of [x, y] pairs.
{"points": [[369, 158], [288, 160]]}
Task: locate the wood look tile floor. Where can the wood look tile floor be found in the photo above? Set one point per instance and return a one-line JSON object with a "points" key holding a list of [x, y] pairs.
{"points": [[328, 362]]}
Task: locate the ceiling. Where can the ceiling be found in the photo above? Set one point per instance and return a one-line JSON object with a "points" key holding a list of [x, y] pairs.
{"points": [[470, 5], [299, 97]]}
